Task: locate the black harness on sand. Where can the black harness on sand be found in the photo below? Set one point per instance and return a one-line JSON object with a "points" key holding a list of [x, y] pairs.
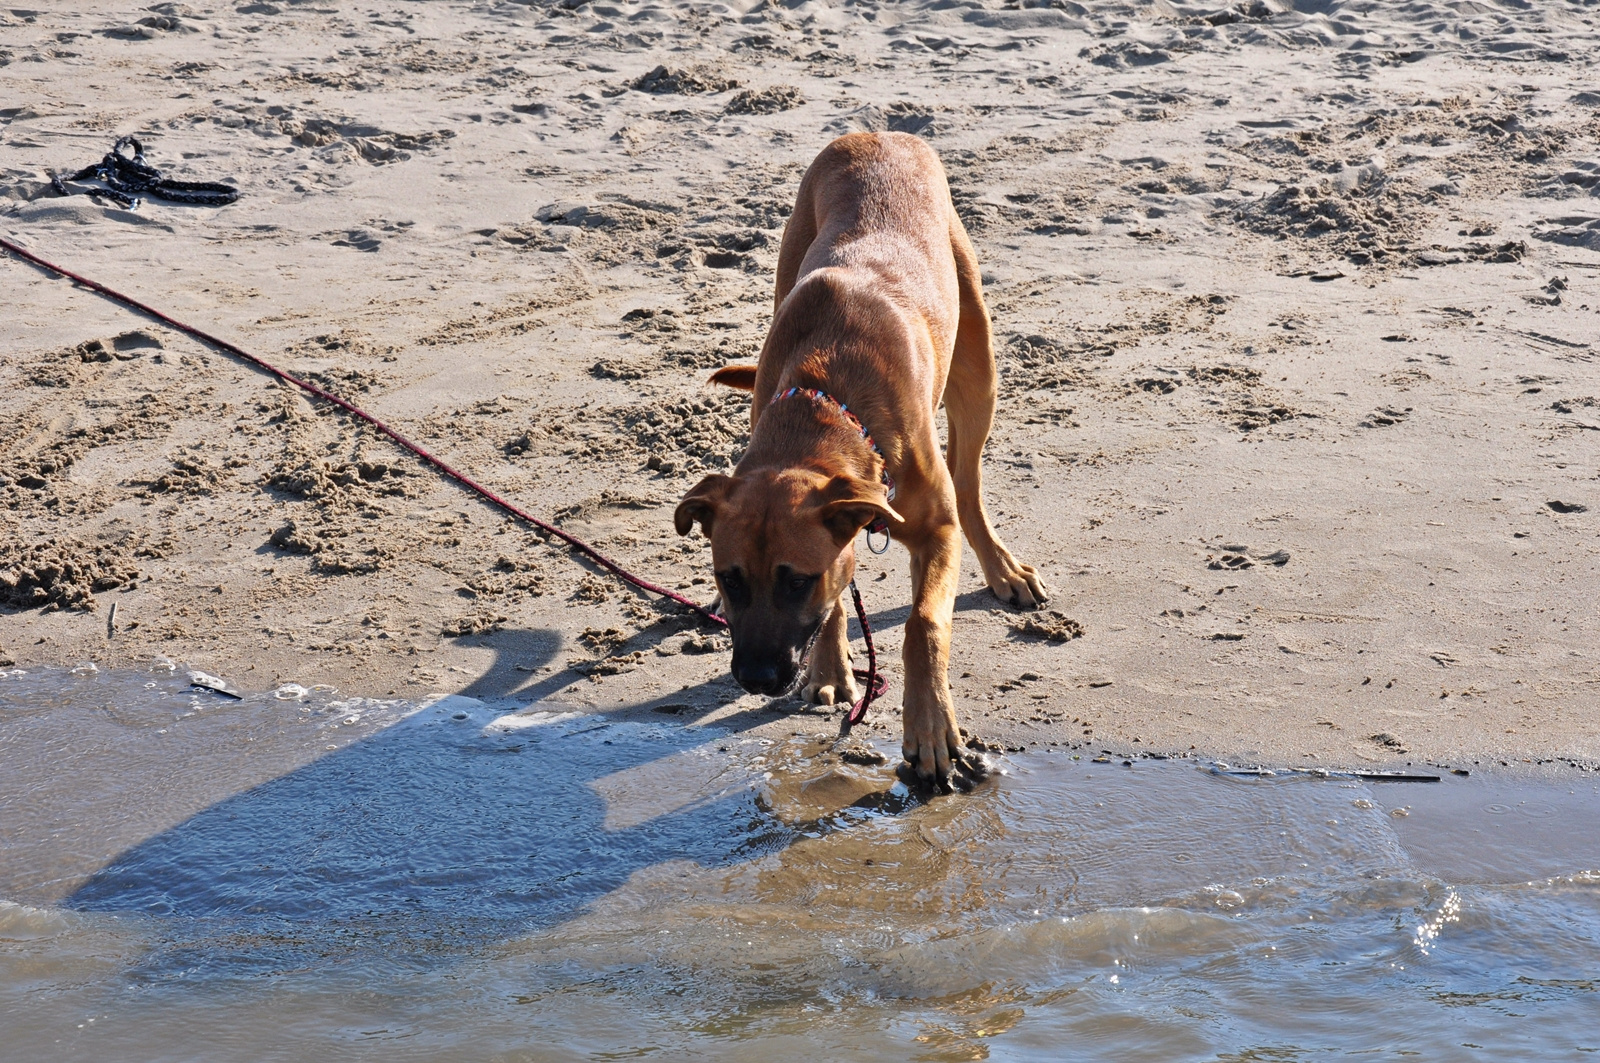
{"points": [[128, 178]]}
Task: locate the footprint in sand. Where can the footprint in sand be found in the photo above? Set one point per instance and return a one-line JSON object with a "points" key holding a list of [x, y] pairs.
{"points": [[1389, 742], [1230, 562], [766, 101], [360, 239], [1236, 557], [1384, 416]]}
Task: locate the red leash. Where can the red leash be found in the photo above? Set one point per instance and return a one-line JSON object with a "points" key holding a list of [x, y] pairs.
{"points": [[876, 685], [304, 385]]}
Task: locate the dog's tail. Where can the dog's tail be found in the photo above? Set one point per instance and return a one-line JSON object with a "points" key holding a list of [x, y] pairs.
{"points": [[742, 377]]}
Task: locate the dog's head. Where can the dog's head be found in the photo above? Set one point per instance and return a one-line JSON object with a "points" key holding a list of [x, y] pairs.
{"points": [[782, 549]]}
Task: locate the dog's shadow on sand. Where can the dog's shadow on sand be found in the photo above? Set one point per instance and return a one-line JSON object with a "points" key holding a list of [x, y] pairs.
{"points": [[484, 816], [980, 600]]}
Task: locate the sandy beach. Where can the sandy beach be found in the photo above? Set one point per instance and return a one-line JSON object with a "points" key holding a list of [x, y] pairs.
{"points": [[1298, 310]]}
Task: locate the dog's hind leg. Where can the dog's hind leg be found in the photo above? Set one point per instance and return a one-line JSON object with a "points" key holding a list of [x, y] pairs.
{"points": [[828, 677], [799, 232], [969, 400]]}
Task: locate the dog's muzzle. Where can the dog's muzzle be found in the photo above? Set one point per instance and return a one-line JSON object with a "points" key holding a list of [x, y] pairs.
{"points": [[776, 674], [762, 679]]}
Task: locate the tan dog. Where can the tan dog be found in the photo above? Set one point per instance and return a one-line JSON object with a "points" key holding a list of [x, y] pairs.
{"points": [[879, 308]]}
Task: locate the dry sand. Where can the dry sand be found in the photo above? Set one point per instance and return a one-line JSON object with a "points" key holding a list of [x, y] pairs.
{"points": [[1298, 307]]}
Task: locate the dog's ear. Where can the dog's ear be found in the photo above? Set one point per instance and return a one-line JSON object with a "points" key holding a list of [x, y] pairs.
{"points": [[742, 377], [701, 504], [852, 504]]}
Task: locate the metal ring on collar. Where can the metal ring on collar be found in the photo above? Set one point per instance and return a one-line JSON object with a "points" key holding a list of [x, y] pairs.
{"points": [[885, 548]]}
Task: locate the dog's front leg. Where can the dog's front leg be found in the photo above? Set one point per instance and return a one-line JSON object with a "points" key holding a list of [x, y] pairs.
{"points": [[932, 742], [828, 678]]}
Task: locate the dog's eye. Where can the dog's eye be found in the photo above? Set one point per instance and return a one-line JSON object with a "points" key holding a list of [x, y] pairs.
{"points": [[734, 592], [799, 585]]}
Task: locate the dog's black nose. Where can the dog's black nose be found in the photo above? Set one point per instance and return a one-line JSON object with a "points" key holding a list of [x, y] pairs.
{"points": [[757, 678]]}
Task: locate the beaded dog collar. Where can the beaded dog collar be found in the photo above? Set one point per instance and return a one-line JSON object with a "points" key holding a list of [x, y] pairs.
{"points": [[878, 526]]}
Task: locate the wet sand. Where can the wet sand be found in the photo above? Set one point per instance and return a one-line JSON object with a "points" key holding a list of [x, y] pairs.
{"points": [[1298, 312]]}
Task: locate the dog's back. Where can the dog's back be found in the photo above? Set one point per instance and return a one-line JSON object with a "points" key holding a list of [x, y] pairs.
{"points": [[876, 207]]}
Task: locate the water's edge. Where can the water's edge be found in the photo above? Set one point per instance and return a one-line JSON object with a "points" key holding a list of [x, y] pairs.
{"points": [[186, 876]]}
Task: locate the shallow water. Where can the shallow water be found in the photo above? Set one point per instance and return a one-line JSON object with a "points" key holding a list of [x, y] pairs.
{"points": [[188, 877]]}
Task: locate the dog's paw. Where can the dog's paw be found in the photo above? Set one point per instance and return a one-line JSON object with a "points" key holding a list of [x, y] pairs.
{"points": [[829, 685], [935, 760], [833, 693], [966, 772], [1019, 586], [829, 680]]}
